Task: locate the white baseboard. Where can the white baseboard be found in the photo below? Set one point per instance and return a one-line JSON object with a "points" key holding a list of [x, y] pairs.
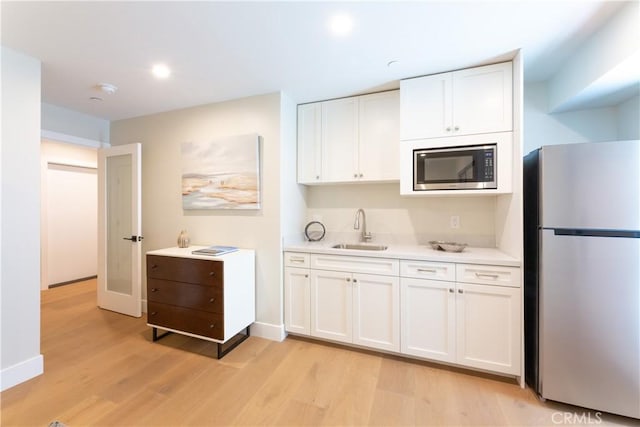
{"points": [[268, 331], [21, 372]]}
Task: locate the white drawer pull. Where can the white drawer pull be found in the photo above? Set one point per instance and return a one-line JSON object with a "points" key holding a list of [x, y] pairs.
{"points": [[427, 270], [487, 276], [296, 259]]}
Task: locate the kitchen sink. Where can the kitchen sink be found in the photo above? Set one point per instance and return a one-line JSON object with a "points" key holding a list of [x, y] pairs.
{"points": [[360, 246]]}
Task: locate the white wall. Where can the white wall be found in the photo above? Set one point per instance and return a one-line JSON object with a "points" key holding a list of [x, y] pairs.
{"points": [[69, 212], [392, 218], [162, 213], [59, 120], [542, 128], [20, 179], [606, 58], [628, 123]]}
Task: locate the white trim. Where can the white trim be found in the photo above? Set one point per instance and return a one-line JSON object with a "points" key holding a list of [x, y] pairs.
{"points": [[63, 137], [268, 331], [21, 372]]}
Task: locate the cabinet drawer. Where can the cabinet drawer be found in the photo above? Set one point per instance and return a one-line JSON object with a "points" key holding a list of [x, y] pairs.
{"points": [[207, 298], [189, 270], [296, 259], [488, 275], [185, 319], [356, 264], [428, 270]]}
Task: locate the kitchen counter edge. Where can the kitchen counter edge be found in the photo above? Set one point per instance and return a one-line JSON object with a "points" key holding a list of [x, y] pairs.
{"points": [[470, 255]]}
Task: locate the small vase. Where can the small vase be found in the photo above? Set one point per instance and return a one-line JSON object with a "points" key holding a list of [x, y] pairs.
{"points": [[183, 239]]}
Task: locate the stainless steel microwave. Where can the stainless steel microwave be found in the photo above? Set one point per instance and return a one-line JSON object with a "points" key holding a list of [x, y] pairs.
{"points": [[455, 168]]}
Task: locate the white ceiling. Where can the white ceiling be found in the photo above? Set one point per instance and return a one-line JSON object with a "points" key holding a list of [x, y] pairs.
{"points": [[226, 50]]}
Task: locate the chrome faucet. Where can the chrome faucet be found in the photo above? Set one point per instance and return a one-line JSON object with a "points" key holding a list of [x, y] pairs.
{"points": [[365, 237]]}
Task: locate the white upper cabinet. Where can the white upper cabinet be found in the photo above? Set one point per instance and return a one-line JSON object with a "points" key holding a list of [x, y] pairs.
{"points": [[349, 139], [309, 132], [465, 102], [379, 139], [339, 139]]}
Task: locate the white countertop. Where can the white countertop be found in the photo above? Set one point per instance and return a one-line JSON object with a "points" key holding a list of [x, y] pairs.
{"points": [[187, 252], [470, 255]]}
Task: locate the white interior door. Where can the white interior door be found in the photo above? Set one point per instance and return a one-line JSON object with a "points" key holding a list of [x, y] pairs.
{"points": [[119, 235]]}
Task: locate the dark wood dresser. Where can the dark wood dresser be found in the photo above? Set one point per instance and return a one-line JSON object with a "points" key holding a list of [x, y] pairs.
{"points": [[208, 297]]}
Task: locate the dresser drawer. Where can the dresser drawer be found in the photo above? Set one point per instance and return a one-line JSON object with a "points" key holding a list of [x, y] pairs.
{"points": [[189, 270], [207, 298], [187, 320], [428, 270], [488, 275], [296, 259]]}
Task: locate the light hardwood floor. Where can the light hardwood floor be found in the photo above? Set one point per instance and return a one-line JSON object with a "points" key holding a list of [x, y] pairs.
{"points": [[101, 368]]}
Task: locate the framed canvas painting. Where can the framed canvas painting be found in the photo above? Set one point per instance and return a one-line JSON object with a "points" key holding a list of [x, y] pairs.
{"points": [[221, 174]]}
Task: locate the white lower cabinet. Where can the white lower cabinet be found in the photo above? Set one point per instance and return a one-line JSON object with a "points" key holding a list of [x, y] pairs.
{"points": [[297, 312], [470, 324], [488, 327], [376, 311], [428, 319], [344, 304], [331, 305], [464, 314]]}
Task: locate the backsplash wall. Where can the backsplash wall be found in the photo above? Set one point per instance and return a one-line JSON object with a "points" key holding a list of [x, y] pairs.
{"points": [[401, 220]]}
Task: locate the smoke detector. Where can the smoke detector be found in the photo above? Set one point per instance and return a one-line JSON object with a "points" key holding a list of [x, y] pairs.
{"points": [[107, 88]]}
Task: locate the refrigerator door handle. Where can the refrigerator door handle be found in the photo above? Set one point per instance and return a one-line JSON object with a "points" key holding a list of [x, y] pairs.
{"points": [[582, 232]]}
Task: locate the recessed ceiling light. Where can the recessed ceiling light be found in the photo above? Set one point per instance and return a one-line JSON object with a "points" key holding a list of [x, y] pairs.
{"points": [[161, 71], [340, 24]]}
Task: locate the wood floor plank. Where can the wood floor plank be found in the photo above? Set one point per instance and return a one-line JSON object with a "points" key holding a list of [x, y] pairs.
{"points": [[102, 369]]}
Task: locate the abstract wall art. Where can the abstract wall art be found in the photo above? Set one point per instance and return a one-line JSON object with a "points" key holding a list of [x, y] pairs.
{"points": [[221, 174]]}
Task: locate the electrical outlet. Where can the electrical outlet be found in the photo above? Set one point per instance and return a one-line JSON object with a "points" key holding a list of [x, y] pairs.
{"points": [[454, 221]]}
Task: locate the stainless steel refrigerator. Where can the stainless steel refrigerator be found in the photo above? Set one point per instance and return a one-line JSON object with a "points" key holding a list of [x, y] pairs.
{"points": [[582, 274]]}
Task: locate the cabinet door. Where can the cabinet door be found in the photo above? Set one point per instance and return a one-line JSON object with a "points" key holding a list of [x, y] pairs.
{"points": [[482, 99], [339, 140], [425, 107], [379, 140], [297, 300], [428, 318], [331, 305], [309, 143], [488, 327], [376, 314]]}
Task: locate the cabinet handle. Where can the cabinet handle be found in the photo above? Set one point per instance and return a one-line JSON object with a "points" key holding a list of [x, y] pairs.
{"points": [[487, 275], [348, 279], [355, 175], [211, 273], [456, 128], [450, 290], [448, 129], [355, 280], [361, 175], [154, 266], [306, 276], [460, 291], [317, 176], [427, 270], [153, 313], [212, 299], [211, 326], [296, 259], [154, 289]]}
